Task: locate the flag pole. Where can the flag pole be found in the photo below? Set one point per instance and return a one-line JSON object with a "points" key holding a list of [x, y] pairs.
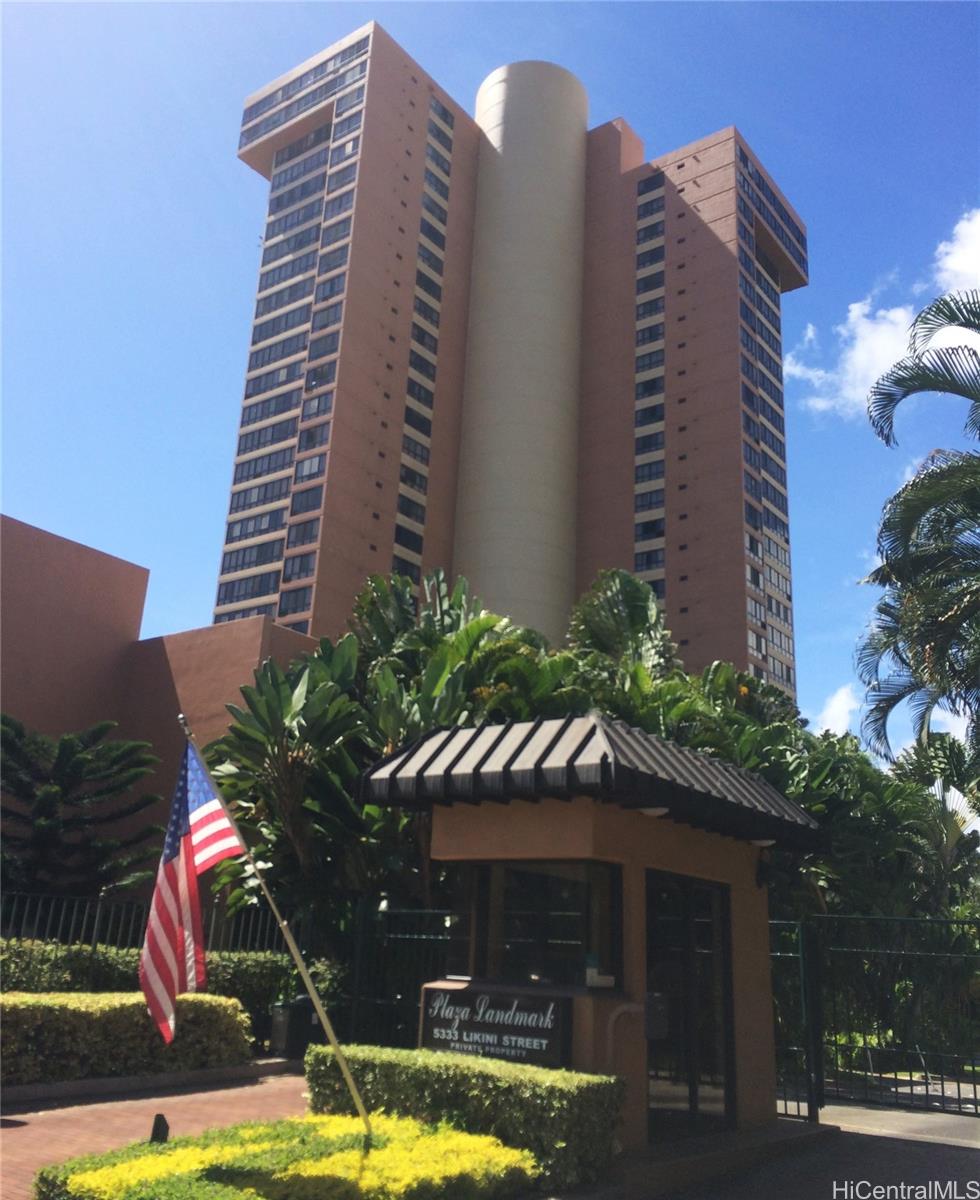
{"points": [[294, 950]]}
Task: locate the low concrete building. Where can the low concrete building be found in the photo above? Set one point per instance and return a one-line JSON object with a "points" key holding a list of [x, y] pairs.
{"points": [[71, 653]]}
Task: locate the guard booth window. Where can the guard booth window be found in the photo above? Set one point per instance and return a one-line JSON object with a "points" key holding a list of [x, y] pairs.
{"points": [[548, 923]]}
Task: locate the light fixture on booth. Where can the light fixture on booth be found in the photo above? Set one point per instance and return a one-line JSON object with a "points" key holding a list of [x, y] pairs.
{"points": [[655, 812], [763, 868]]}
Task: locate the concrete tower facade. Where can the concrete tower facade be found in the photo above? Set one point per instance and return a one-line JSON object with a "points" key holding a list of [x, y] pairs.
{"points": [[514, 536], [514, 348]]}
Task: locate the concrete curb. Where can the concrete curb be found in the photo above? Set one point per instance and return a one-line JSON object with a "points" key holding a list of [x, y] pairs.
{"points": [[25, 1096]]}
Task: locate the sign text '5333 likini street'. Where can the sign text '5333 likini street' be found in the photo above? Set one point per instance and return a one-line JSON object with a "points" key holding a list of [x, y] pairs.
{"points": [[470, 1019]]}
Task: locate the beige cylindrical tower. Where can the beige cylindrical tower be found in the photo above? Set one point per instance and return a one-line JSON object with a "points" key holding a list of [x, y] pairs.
{"points": [[515, 511]]}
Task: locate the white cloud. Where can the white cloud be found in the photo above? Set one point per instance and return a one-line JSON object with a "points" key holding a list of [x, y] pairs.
{"points": [[957, 264], [945, 722], [870, 340], [838, 709]]}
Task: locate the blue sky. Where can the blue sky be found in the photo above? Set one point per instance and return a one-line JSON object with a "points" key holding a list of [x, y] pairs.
{"points": [[131, 245]]}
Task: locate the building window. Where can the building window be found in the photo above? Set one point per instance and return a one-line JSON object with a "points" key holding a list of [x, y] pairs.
{"points": [[315, 436], [247, 527], [246, 589], [401, 566], [645, 531], [300, 566], [414, 479], [644, 472], [418, 391], [430, 258], [428, 285], [648, 560], [251, 556], [265, 464], [310, 468], [427, 229], [263, 493], [411, 509], [647, 362], [643, 501], [417, 421], [650, 333], [433, 181], [650, 184], [415, 449], [649, 257], [409, 539], [297, 600], [649, 387], [649, 415], [650, 308], [429, 341], [307, 501], [647, 283], [303, 533], [317, 406], [560, 922], [422, 365]]}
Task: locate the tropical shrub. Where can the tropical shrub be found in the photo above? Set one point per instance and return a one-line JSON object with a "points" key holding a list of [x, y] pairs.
{"points": [[308, 1158], [57, 1036], [63, 801], [566, 1119], [256, 978]]}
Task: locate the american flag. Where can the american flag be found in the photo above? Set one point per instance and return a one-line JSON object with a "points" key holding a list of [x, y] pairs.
{"points": [[199, 836]]}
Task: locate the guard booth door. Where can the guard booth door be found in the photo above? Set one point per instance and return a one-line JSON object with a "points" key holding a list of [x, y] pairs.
{"points": [[689, 1007]]}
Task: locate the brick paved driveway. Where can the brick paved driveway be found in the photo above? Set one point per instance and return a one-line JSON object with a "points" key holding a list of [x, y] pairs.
{"points": [[33, 1140]]}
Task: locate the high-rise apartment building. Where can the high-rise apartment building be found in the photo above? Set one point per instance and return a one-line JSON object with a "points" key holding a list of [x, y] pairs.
{"points": [[512, 347]]}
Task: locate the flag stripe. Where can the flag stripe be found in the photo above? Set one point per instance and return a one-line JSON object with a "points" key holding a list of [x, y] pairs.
{"points": [[200, 834]]}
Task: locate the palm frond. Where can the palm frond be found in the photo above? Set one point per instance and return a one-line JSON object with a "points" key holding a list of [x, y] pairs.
{"points": [[959, 310], [953, 371]]}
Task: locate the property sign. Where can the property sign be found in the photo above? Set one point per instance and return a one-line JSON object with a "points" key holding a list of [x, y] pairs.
{"points": [[473, 1019]]}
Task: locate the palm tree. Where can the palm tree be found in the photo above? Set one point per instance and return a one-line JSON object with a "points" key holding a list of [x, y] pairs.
{"points": [[948, 775], [923, 646], [65, 801]]}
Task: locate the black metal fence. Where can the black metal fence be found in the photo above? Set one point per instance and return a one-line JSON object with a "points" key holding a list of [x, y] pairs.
{"points": [[877, 1010], [798, 1082], [901, 1011], [114, 921], [396, 951]]}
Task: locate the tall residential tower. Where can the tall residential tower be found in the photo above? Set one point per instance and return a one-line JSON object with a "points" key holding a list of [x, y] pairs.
{"points": [[514, 348]]}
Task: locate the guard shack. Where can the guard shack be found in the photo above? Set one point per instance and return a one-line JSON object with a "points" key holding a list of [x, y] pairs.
{"points": [[617, 911]]}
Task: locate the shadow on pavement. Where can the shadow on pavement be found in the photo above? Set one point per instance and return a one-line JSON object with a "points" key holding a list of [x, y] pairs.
{"points": [[850, 1158]]}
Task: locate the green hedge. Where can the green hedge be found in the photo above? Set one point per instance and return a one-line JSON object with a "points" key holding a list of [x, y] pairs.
{"points": [[75, 1035], [566, 1119], [258, 978], [310, 1158]]}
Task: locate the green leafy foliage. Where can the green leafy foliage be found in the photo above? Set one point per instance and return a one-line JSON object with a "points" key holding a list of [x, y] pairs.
{"points": [[309, 1158], [401, 672], [256, 978], [63, 801], [567, 1120], [55, 1036]]}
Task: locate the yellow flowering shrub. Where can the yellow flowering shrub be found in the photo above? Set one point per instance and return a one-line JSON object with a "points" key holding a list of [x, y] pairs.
{"points": [[306, 1158]]}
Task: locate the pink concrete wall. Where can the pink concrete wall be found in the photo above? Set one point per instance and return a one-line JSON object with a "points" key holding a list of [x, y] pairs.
{"points": [[70, 614], [606, 430]]}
